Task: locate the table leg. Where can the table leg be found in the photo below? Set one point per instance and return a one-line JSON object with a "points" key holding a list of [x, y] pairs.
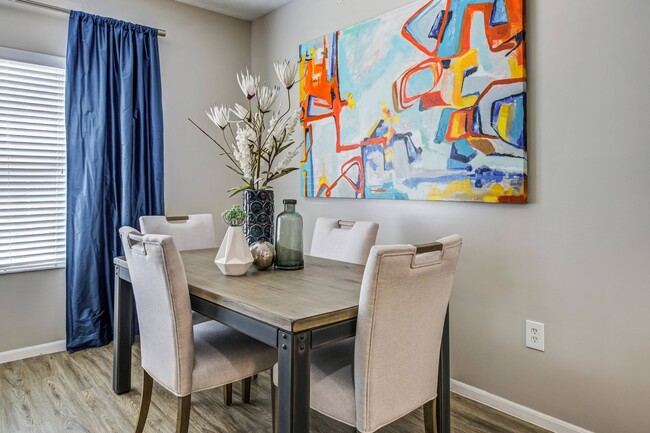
{"points": [[122, 334], [293, 380], [443, 402]]}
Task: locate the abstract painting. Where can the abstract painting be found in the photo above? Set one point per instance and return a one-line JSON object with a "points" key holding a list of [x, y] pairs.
{"points": [[427, 102]]}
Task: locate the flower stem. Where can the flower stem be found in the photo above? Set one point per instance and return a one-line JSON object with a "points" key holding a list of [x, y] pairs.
{"points": [[228, 154]]}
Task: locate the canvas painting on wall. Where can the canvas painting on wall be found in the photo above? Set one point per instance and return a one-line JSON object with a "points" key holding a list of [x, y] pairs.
{"points": [[427, 102]]}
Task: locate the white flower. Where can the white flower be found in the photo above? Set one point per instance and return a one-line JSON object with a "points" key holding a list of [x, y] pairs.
{"points": [[240, 112], [287, 72], [292, 123], [242, 151], [260, 142], [248, 83], [266, 98], [256, 120], [268, 145], [287, 159], [275, 119], [284, 133], [219, 115], [272, 131]]}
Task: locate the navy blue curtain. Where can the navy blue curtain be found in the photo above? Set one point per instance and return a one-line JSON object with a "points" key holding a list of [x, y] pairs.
{"points": [[114, 128]]}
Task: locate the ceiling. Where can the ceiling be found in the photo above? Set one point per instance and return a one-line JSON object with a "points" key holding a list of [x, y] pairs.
{"points": [[243, 9]]}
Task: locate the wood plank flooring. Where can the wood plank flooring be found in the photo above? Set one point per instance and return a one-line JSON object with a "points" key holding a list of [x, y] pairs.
{"points": [[72, 393]]}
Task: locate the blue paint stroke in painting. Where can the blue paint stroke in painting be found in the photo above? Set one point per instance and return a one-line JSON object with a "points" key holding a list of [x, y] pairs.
{"points": [[450, 43], [420, 27], [462, 151], [499, 13], [443, 125], [476, 121], [516, 133]]}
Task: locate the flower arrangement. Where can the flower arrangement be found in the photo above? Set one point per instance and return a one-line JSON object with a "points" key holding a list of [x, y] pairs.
{"points": [[259, 140], [235, 216]]}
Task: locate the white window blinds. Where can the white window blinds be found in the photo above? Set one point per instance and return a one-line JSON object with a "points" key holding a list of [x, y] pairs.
{"points": [[32, 166]]}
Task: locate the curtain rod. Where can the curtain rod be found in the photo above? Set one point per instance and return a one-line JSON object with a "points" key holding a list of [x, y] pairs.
{"points": [[161, 33]]}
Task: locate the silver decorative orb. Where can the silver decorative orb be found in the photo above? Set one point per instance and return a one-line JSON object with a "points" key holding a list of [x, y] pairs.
{"points": [[263, 255]]}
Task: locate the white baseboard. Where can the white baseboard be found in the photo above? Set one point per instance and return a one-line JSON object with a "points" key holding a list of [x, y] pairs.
{"points": [[518, 411], [29, 352]]}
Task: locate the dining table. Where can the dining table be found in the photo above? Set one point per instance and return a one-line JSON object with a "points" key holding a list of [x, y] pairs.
{"points": [[294, 311]]}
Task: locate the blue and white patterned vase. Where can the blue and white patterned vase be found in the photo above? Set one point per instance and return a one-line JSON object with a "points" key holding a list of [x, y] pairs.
{"points": [[258, 205]]}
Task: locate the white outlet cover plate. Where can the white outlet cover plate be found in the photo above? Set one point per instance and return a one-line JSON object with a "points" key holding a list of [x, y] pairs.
{"points": [[535, 335]]}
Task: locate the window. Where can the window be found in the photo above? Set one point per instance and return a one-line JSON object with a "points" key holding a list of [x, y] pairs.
{"points": [[32, 161]]}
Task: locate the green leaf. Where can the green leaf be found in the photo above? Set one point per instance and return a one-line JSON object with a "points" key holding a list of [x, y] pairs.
{"points": [[283, 148], [239, 172], [236, 191]]}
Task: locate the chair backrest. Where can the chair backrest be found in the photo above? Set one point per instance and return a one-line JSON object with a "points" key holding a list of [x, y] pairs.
{"points": [[402, 308], [192, 232], [163, 305], [342, 240]]}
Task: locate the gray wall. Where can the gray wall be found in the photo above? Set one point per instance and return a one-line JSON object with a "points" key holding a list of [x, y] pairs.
{"points": [[577, 257], [202, 51]]}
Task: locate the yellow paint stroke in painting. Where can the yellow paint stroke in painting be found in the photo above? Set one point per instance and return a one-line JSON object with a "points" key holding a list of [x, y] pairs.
{"points": [[388, 155], [463, 63], [517, 70], [322, 182], [495, 192], [504, 121], [350, 99], [454, 188], [303, 70], [464, 188], [387, 117], [457, 127], [373, 128]]}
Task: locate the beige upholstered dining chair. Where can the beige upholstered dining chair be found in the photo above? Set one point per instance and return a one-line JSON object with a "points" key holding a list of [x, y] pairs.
{"points": [[191, 232], [345, 241], [179, 356], [391, 367]]}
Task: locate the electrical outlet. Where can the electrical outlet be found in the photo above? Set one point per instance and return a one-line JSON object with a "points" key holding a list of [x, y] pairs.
{"points": [[535, 335]]}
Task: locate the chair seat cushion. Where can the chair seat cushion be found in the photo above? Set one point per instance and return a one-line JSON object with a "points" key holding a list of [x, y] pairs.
{"points": [[332, 381], [223, 355]]}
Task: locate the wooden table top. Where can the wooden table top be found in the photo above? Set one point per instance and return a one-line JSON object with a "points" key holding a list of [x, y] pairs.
{"points": [[324, 292]]}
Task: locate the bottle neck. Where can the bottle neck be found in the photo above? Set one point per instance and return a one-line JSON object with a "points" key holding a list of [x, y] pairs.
{"points": [[291, 208]]}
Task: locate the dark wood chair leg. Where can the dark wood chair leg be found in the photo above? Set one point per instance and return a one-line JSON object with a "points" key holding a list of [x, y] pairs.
{"points": [[430, 417], [255, 377], [147, 386], [227, 394], [275, 394], [183, 413], [246, 390]]}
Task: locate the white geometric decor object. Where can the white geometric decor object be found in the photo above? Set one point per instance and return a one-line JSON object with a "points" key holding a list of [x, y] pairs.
{"points": [[234, 257]]}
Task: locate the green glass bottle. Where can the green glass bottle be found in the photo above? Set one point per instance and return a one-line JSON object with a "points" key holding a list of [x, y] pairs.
{"points": [[288, 238]]}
